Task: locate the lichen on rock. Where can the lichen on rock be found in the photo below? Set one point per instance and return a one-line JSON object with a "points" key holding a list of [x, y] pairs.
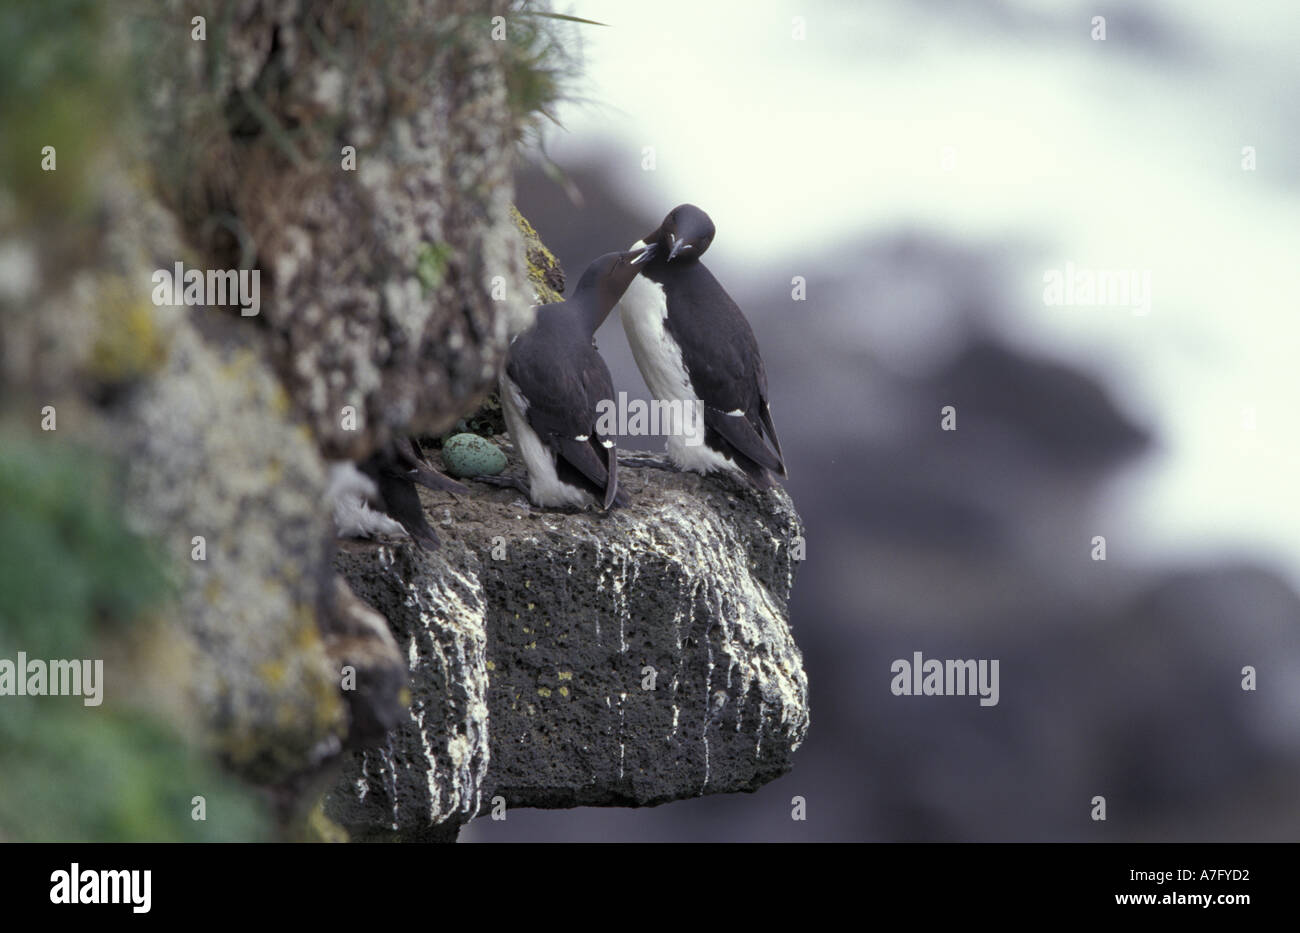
{"points": [[363, 160], [426, 776], [358, 157], [543, 268], [211, 454]]}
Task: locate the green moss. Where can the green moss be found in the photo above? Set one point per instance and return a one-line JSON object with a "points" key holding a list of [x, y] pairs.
{"points": [[75, 584], [539, 68], [73, 774], [431, 265], [61, 86], [67, 561]]}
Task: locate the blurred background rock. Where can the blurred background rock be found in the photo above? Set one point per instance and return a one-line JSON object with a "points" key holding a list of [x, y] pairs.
{"points": [[922, 166]]}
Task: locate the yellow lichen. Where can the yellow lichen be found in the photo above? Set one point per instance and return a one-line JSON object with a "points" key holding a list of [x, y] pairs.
{"points": [[320, 828], [272, 672], [128, 343], [540, 260]]}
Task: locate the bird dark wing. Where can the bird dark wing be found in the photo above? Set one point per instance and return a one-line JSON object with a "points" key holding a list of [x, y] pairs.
{"points": [[417, 469], [765, 415], [722, 359], [611, 486], [402, 502], [397, 493], [740, 433], [562, 402], [599, 387]]}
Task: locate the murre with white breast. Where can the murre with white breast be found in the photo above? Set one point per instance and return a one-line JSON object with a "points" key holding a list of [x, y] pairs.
{"points": [[553, 382], [693, 345]]}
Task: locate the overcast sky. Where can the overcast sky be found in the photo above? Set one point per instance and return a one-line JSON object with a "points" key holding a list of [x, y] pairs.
{"points": [[1005, 122]]}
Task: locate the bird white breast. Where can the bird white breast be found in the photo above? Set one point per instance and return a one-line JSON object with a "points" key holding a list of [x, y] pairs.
{"points": [[644, 311], [544, 485]]}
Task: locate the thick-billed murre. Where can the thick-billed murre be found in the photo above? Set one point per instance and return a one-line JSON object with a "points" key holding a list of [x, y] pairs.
{"points": [[693, 345], [553, 381]]}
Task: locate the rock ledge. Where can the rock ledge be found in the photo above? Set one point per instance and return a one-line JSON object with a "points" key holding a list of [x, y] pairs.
{"points": [[582, 659]]}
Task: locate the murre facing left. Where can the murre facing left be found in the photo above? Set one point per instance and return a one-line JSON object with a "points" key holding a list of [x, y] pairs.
{"points": [[694, 346], [553, 381]]}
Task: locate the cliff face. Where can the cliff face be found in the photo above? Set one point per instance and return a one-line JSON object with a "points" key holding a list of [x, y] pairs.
{"points": [[363, 154], [358, 158], [573, 659]]}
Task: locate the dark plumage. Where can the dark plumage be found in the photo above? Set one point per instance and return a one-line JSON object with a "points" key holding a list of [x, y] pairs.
{"points": [[395, 470], [689, 334], [553, 381]]}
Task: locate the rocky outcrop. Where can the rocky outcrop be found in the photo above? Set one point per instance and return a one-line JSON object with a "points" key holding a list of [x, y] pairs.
{"points": [[357, 158], [582, 659], [221, 478], [362, 154]]}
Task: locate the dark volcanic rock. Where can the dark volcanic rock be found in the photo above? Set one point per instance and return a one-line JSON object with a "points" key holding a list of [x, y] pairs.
{"points": [[424, 778], [569, 659], [358, 641]]}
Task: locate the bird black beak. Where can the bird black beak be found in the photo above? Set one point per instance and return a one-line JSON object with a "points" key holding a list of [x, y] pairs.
{"points": [[646, 254], [678, 247]]}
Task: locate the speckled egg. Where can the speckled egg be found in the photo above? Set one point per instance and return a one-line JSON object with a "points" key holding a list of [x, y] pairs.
{"points": [[470, 455]]}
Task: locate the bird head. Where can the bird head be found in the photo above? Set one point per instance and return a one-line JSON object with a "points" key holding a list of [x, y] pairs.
{"points": [[684, 235]]}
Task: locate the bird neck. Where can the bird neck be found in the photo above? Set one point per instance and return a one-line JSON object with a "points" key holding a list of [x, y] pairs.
{"points": [[594, 299], [593, 311]]}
